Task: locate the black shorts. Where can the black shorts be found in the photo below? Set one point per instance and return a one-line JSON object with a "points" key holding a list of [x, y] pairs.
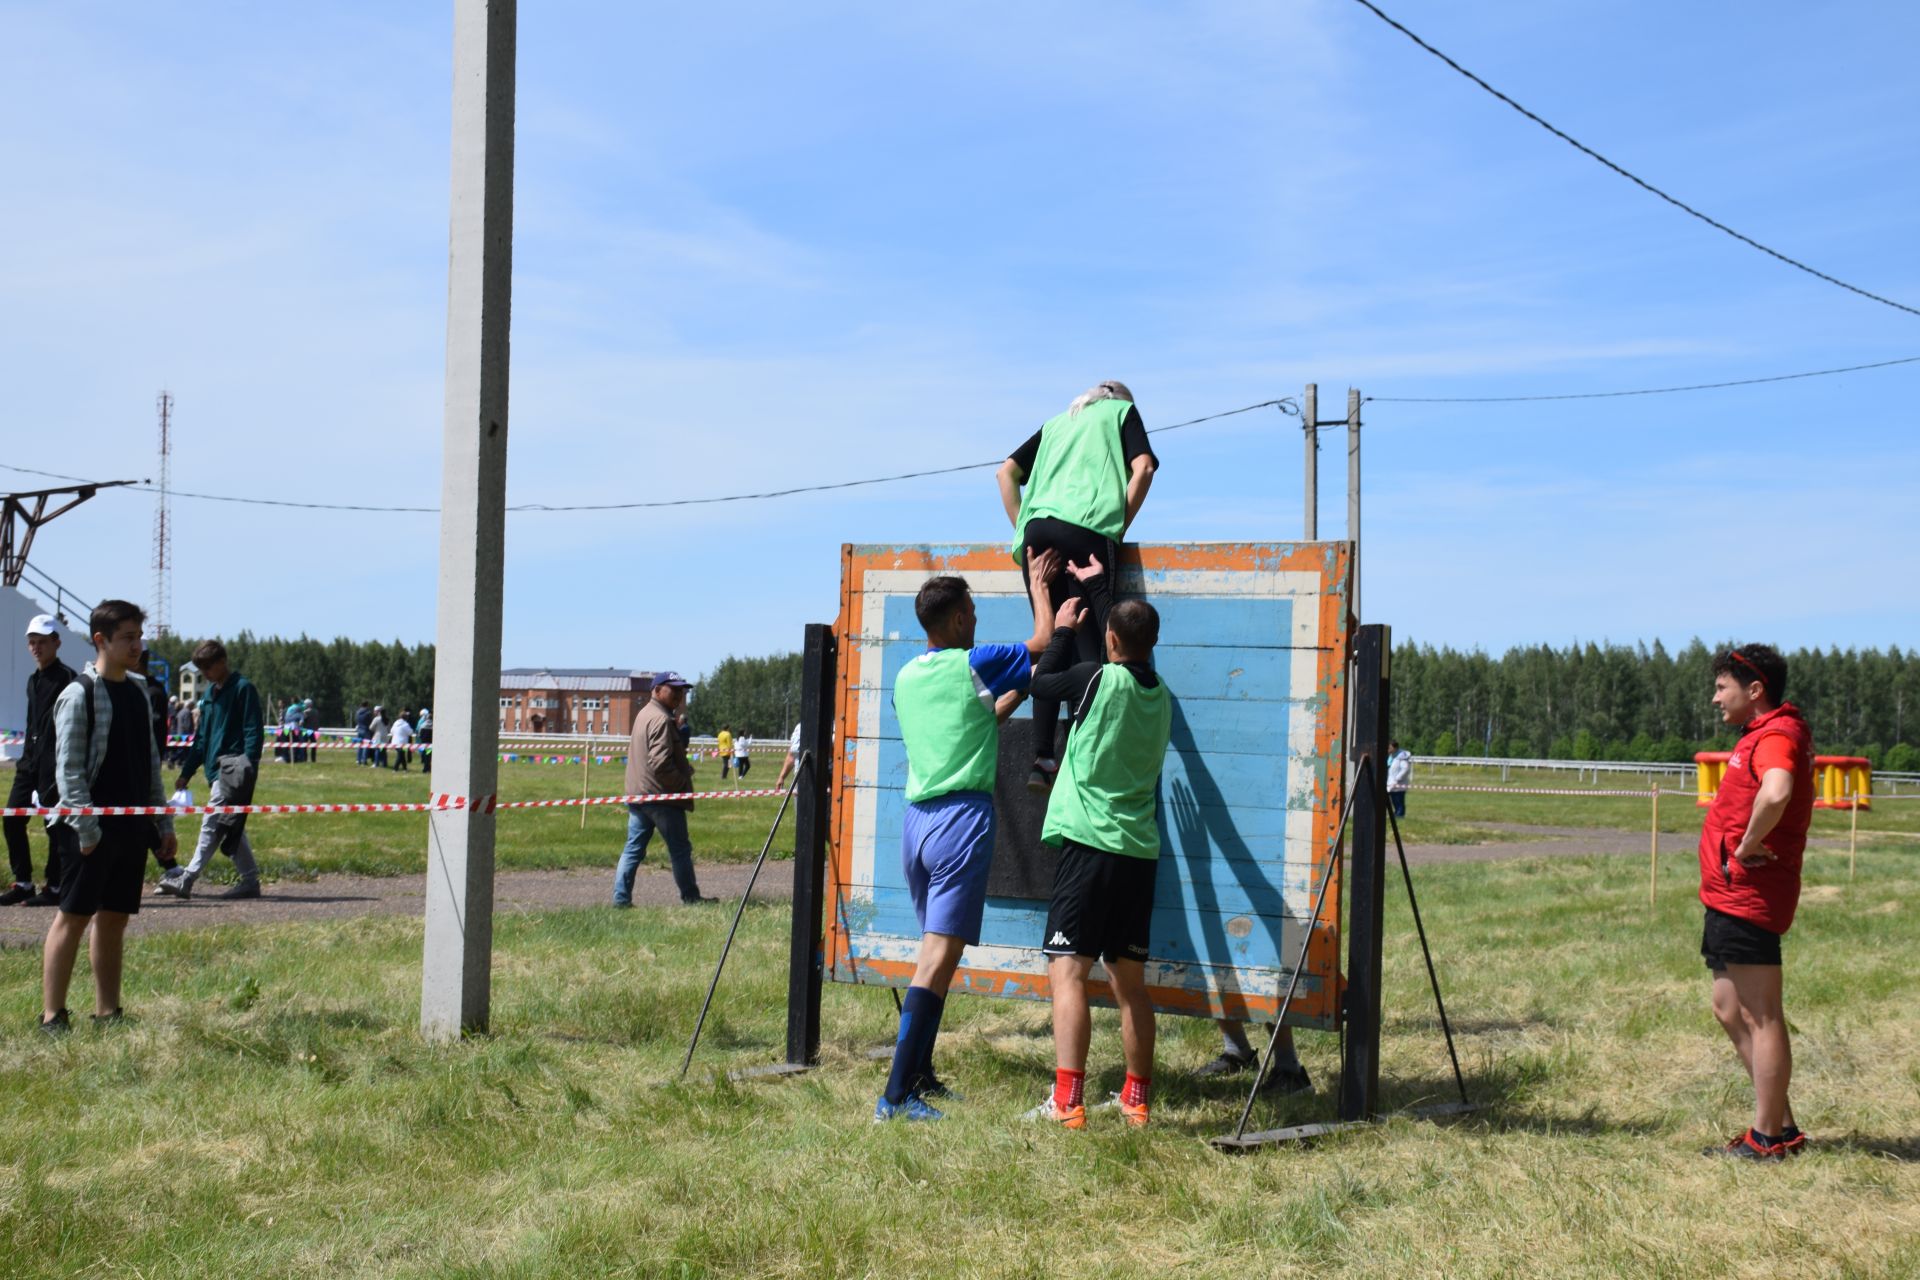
{"points": [[1102, 905], [1729, 940], [740, 764], [113, 875]]}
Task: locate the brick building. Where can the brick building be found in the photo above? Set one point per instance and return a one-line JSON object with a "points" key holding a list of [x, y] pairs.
{"points": [[559, 700]]}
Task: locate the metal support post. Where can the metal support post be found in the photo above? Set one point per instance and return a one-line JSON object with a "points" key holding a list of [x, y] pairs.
{"points": [[806, 961], [1353, 491], [1310, 424], [455, 979], [1360, 1071]]}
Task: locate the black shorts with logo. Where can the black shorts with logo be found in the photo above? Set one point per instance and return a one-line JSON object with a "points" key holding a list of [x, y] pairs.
{"points": [[1729, 940], [1102, 905], [112, 876]]}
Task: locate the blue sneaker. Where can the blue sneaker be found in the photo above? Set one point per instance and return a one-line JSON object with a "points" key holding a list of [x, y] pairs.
{"points": [[911, 1109]]}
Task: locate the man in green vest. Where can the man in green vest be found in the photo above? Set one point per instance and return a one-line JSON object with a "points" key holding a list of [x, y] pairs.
{"points": [[1102, 817], [1085, 475], [950, 701]]}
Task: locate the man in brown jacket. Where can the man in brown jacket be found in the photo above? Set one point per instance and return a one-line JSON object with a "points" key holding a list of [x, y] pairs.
{"points": [[657, 765]]}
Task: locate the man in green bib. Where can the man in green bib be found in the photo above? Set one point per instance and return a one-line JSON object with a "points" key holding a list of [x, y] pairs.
{"points": [[1085, 474], [1102, 816], [950, 701]]}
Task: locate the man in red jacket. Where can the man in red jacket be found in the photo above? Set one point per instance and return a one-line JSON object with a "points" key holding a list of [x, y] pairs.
{"points": [[1750, 849]]}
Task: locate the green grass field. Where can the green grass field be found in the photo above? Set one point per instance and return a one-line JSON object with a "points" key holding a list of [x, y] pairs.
{"points": [[299, 847], [272, 1111], [1441, 817]]}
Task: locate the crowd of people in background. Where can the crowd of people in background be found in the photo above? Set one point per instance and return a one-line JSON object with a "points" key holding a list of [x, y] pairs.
{"points": [[374, 735]]}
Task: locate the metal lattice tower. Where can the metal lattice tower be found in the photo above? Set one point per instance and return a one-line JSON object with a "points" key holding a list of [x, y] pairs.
{"points": [[160, 608]]}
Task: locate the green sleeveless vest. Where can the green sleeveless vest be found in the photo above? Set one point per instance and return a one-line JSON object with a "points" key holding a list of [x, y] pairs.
{"points": [[1103, 797], [952, 736], [1080, 473]]}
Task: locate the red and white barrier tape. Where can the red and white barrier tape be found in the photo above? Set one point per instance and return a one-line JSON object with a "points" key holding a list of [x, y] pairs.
{"points": [[439, 804], [1549, 791]]}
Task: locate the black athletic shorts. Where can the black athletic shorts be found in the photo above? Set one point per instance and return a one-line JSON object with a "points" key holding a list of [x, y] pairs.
{"points": [[1730, 940], [1102, 905], [112, 876]]}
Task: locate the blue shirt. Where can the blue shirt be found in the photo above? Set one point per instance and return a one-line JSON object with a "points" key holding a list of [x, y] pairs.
{"points": [[1000, 668]]}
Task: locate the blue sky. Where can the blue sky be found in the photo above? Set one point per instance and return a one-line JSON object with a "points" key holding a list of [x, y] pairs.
{"points": [[760, 245]]}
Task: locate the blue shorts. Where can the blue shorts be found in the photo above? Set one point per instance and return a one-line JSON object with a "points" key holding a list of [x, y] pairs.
{"points": [[946, 849]]}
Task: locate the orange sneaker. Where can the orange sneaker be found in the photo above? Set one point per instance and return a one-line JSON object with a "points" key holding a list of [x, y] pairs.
{"points": [[1048, 1112], [1135, 1114]]}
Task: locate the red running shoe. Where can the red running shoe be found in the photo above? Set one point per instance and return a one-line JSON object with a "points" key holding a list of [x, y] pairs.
{"points": [[1749, 1147]]}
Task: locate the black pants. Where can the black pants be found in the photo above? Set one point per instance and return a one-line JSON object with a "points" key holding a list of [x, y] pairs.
{"points": [[1074, 544], [19, 851]]}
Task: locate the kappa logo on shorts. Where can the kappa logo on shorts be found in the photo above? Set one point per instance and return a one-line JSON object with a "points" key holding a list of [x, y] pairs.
{"points": [[1059, 939]]}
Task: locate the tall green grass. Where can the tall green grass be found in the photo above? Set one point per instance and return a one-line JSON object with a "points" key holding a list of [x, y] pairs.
{"points": [[272, 1111]]}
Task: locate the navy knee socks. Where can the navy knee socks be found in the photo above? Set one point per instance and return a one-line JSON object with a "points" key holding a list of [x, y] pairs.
{"points": [[913, 1052]]}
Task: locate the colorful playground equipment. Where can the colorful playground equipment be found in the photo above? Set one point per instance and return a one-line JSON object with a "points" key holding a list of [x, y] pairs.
{"points": [[1840, 782]]}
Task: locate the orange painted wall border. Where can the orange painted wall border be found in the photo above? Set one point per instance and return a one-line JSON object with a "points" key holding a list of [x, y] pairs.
{"points": [[1316, 1003]]}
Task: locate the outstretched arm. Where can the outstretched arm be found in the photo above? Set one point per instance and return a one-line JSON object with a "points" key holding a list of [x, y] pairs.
{"points": [[1011, 477], [1042, 569], [1138, 483]]}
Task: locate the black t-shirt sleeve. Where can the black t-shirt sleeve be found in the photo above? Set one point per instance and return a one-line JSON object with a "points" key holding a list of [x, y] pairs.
{"points": [[1133, 438], [1024, 456], [1066, 686]]}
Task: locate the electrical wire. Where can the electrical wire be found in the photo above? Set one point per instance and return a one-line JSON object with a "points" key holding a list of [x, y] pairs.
{"points": [[1285, 404], [1632, 177], [1643, 391]]}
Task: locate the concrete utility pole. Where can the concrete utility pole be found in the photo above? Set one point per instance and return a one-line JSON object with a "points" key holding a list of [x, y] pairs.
{"points": [[1353, 490], [456, 974], [1310, 423]]}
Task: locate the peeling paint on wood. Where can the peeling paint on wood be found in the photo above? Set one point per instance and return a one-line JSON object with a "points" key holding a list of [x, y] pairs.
{"points": [[1254, 641]]}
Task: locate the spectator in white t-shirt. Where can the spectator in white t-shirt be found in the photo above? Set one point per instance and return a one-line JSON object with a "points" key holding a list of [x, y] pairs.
{"points": [[740, 762], [402, 733], [1399, 778]]}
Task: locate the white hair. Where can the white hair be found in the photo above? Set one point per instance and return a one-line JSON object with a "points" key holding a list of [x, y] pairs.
{"points": [[1111, 389]]}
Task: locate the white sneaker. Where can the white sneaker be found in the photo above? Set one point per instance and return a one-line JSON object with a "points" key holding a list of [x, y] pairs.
{"points": [[1048, 1113]]}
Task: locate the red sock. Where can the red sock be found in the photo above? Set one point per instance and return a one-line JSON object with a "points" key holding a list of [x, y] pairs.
{"points": [[1134, 1091], [1069, 1088]]}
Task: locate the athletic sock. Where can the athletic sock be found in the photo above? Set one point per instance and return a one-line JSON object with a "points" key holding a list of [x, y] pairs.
{"points": [[919, 1022], [1234, 1037], [1767, 1139], [1069, 1088], [933, 1008], [1134, 1092]]}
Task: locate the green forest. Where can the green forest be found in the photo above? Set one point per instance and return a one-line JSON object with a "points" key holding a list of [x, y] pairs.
{"points": [[1582, 702], [336, 674], [1621, 702], [760, 696]]}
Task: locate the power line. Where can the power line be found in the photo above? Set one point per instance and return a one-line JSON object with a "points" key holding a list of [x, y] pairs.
{"points": [[1285, 404], [1634, 178], [1643, 391]]}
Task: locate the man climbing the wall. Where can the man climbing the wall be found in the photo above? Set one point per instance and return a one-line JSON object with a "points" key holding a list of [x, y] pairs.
{"points": [[1101, 818], [1085, 475], [950, 701], [1750, 848]]}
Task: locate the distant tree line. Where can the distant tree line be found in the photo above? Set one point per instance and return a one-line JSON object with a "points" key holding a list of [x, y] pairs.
{"points": [[1620, 702], [756, 696], [336, 674], [760, 696], [1583, 702]]}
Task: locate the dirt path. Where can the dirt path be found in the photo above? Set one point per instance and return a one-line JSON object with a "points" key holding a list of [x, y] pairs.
{"points": [[334, 897]]}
